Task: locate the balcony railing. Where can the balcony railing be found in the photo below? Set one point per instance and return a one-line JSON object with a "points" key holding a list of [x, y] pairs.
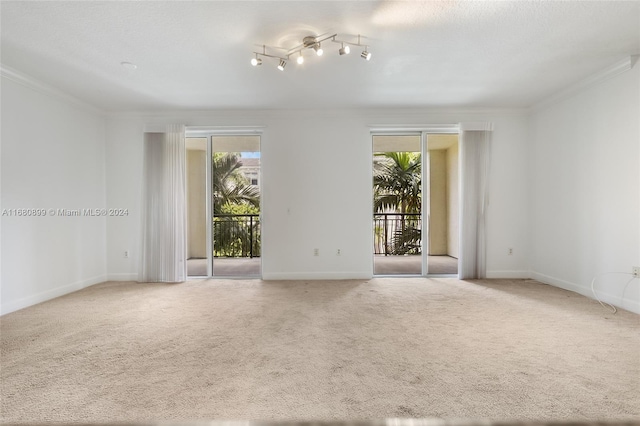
{"points": [[397, 233], [236, 235]]}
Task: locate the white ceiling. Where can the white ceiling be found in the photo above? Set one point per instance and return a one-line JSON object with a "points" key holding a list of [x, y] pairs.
{"points": [[195, 55]]}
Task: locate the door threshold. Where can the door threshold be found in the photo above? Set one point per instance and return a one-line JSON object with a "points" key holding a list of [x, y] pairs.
{"points": [[417, 276]]}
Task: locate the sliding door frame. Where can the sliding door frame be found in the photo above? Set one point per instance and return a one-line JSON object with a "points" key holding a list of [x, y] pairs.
{"points": [[426, 200], [209, 132], [209, 204], [423, 132]]}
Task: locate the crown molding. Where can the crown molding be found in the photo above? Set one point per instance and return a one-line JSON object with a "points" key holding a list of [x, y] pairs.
{"points": [[445, 110], [38, 86], [373, 115], [613, 70]]}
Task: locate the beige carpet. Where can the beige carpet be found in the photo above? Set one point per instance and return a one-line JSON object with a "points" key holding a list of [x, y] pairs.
{"points": [[502, 350]]}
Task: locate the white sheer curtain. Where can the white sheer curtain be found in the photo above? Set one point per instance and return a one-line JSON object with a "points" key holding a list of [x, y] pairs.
{"points": [[163, 218], [475, 156]]}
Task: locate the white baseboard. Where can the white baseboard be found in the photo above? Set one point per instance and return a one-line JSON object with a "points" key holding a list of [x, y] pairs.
{"points": [[557, 282], [367, 276], [49, 294], [626, 303], [316, 276], [509, 274], [122, 277]]}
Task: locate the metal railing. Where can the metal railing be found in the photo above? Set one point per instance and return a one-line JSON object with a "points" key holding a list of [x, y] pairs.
{"points": [[397, 233], [236, 235]]}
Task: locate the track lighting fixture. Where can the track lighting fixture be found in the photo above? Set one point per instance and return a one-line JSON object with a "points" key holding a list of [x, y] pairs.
{"points": [[309, 42]]}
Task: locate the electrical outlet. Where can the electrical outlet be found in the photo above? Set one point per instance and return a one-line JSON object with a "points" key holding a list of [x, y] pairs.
{"points": [[126, 254], [510, 251], [636, 271], [316, 252], [338, 252]]}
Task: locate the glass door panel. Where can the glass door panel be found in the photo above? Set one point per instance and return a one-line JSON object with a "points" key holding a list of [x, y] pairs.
{"points": [[416, 190], [235, 205], [196, 188], [397, 199], [442, 204]]}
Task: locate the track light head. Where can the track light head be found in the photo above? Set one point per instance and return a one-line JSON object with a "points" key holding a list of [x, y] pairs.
{"points": [[365, 54], [344, 50], [282, 64], [318, 49], [256, 61], [300, 59]]}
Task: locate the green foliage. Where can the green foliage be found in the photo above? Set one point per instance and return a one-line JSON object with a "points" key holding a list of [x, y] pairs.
{"points": [[236, 236], [407, 240], [239, 209], [236, 233], [230, 186], [397, 182]]}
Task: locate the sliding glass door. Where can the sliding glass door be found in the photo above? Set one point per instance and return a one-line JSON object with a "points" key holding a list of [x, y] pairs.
{"points": [[415, 199], [235, 205], [397, 204], [223, 206]]}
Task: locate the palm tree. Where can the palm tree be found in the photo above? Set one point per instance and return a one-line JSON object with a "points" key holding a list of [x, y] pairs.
{"points": [[397, 188], [233, 236], [229, 185], [397, 181]]}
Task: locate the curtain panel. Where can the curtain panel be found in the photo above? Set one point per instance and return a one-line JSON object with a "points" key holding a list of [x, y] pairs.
{"points": [[475, 155], [163, 253]]}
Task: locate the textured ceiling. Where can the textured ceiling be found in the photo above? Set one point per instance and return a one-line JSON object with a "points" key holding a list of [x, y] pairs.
{"points": [[196, 55]]}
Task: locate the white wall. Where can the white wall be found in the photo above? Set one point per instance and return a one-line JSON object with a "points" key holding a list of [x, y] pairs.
{"points": [[124, 161], [52, 157], [508, 210], [585, 186], [316, 188]]}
